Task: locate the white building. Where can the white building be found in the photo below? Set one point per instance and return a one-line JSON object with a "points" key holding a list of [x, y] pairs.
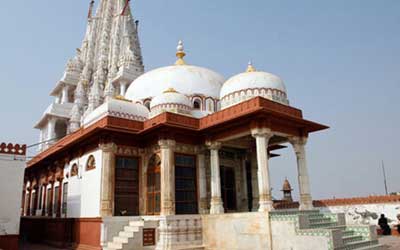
{"points": [[12, 168], [174, 158]]}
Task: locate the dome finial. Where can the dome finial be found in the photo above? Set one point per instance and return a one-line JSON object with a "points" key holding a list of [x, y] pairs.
{"points": [[180, 53], [250, 67]]}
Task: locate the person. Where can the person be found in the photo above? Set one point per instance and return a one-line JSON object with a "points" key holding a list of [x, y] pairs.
{"points": [[398, 225], [383, 223]]}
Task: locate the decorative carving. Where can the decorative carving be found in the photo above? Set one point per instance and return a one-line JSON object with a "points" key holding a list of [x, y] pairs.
{"points": [[74, 170], [91, 163], [12, 149]]}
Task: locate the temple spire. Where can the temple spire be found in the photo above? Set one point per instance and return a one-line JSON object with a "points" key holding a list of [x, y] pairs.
{"points": [[90, 13]]}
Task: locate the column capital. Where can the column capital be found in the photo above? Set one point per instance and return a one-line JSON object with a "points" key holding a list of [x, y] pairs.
{"points": [[166, 144], [200, 149], [298, 143], [262, 132], [108, 147], [213, 145]]}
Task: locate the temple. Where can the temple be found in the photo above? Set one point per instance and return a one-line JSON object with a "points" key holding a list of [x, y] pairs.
{"points": [[174, 158]]}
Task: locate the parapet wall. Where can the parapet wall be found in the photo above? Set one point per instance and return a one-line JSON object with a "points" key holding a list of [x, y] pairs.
{"points": [[358, 210]]}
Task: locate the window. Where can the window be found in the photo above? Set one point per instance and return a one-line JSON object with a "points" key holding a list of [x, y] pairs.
{"points": [[197, 104], [185, 184], [74, 170], [65, 198], [91, 163], [147, 104], [40, 197], [48, 205]]}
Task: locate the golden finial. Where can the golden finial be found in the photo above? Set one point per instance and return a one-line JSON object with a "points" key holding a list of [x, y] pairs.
{"points": [[250, 68], [121, 98], [180, 53], [170, 90]]}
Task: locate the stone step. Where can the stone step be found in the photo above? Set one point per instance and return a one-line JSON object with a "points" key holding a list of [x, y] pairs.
{"points": [[127, 234], [190, 247], [115, 245], [319, 219], [111, 248], [352, 238], [374, 247], [136, 223], [131, 229], [347, 232], [121, 239], [359, 244], [323, 224]]}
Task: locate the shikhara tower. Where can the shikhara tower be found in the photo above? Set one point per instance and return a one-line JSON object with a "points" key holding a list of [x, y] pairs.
{"points": [[108, 60]]}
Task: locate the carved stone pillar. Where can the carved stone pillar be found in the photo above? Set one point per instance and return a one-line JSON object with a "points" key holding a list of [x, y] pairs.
{"points": [[51, 127], [254, 180], [167, 177], [216, 206], [64, 94], [202, 182], [304, 183], [107, 179], [262, 136]]}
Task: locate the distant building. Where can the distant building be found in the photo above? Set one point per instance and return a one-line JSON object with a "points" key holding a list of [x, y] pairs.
{"points": [[287, 191], [12, 167]]}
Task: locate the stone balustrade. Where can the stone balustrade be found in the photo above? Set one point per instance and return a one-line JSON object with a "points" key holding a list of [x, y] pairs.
{"points": [[179, 230]]}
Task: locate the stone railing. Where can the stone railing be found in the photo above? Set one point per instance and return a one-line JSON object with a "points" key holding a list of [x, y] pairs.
{"points": [[179, 230], [12, 149]]}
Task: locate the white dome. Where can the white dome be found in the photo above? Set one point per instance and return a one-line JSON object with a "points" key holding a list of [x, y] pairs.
{"points": [[250, 84], [170, 101], [187, 79], [170, 96], [118, 108]]}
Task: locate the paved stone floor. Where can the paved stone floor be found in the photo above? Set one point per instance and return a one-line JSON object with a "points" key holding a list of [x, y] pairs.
{"points": [[392, 242]]}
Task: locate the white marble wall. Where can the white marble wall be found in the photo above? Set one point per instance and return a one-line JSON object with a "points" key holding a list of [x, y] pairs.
{"points": [[367, 214], [84, 189], [11, 181]]}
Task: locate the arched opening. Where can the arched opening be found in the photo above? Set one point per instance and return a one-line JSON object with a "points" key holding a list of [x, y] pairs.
{"points": [[74, 170], [154, 186], [91, 163], [60, 129], [197, 104], [146, 103]]}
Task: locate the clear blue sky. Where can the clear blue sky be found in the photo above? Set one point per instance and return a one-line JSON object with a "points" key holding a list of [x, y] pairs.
{"points": [[339, 59]]}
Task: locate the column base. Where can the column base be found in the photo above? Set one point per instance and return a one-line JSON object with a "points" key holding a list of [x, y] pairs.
{"points": [[216, 206], [266, 206], [306, 202], [203, 209]]}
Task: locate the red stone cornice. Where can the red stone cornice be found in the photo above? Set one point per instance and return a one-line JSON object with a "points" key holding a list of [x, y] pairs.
{"points": [[12, 149], [216, 123]]}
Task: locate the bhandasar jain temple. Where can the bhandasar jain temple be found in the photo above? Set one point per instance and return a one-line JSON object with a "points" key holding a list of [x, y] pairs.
{"points": [[172, 158]]}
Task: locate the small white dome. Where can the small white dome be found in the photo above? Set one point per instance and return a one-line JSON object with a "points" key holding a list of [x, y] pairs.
{"points": [[120, 108], [170, 96], [186, 79], [250, 84], [170, 101]]}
